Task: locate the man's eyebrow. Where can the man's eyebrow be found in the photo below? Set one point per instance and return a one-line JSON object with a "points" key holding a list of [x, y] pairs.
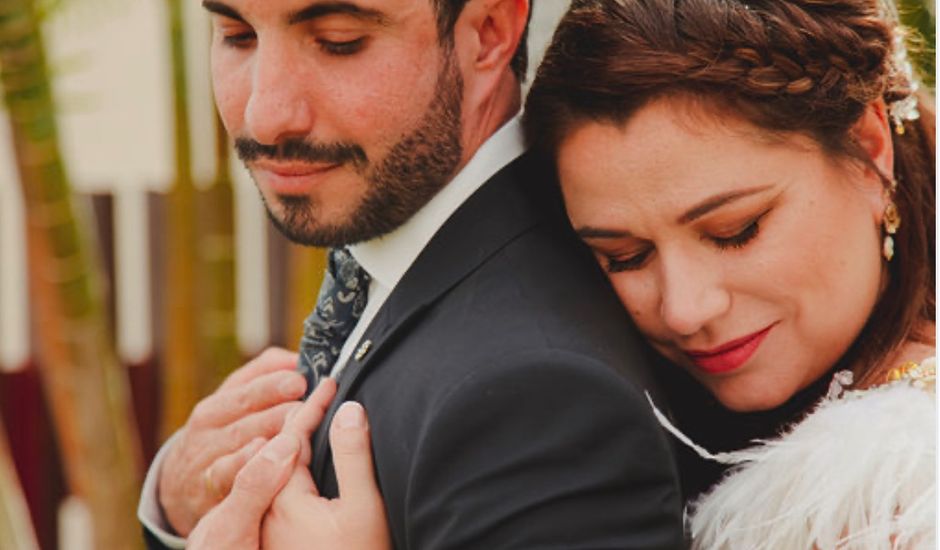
{"points": [[588, 232], [323, 9], [224, 10], [712, 203]]}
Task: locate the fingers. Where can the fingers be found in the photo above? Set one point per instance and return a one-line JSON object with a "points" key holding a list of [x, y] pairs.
{"points": [[300, 482], [302, 423], [234, 402], [305, 420], [270, 360], [215, 444], [260, 480], [202, 463], [296, 419], [266, 424], [352, 455], [221, 474]]}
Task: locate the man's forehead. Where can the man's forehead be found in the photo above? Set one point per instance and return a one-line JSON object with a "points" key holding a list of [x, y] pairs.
{"points": [[298, 11]]}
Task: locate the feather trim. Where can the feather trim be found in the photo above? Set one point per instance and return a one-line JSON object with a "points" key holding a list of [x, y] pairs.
{"points": [[858, 473]]}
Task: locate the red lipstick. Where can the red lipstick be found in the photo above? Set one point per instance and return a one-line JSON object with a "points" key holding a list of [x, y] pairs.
{"points": [[730, 355]]}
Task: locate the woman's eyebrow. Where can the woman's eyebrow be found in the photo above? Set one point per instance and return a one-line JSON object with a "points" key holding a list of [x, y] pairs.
{"points": [[588, 232], [717, 201]]}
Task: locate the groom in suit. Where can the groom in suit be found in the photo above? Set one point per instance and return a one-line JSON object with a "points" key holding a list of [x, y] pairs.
{"points": [[503, 381]]}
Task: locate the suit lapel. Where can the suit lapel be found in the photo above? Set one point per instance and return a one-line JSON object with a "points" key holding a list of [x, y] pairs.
{"points": [[492, 217]]}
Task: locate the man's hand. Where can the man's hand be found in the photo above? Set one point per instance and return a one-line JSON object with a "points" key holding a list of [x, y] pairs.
{"points": [[235, 524], [223, 432], [300, 518]]}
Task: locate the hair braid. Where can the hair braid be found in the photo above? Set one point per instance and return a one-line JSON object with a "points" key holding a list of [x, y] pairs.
{"points": [[803, 56]]}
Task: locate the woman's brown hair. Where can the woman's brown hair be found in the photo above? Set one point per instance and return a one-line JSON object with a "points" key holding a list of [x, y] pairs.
{"points": [[810, 67]]}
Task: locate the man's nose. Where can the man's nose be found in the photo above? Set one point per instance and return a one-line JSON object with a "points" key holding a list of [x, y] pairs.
{"points": [[692, 294], [280, 104]]}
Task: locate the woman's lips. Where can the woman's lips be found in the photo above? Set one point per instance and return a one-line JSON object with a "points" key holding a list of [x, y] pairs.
{"points": [[728, 356]]}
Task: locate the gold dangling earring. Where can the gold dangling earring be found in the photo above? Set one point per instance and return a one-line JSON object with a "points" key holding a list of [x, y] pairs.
{"points": [[891, 222]]}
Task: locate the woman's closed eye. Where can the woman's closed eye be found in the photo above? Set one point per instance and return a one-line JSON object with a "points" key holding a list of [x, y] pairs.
{"points": [[739, 237], [630, 262]]}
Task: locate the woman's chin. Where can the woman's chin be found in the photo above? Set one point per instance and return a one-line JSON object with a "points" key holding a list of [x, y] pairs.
{"points": [[738, 396]]}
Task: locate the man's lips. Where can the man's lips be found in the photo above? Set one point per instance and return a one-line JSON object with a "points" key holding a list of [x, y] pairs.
{"points": [[290, 178], [294, 169], [730, 355]]}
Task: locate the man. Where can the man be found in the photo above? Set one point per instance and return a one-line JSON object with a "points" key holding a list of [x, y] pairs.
{"points": [[503, 382]]}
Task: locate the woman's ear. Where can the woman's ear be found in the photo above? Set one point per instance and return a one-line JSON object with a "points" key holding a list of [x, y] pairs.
{"points": [[872, 133]]}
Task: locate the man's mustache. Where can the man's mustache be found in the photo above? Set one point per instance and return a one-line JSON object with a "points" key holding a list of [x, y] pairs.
{"points": [[249, 150]]}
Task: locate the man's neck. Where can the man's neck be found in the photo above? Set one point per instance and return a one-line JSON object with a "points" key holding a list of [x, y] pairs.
{"points": [[489, 116]]}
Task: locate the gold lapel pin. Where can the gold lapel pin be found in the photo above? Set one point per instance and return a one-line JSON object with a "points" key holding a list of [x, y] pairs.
{"points": [[363, 350]]}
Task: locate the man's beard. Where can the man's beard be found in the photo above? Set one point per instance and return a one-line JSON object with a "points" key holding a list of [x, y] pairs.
{"points": [[409, 175]]}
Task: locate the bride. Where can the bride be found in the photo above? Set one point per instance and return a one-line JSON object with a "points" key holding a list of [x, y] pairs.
{"points": [[757, 180]]}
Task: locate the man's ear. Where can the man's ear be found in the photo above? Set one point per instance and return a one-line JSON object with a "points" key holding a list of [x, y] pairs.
{"points": [[492, 29]]}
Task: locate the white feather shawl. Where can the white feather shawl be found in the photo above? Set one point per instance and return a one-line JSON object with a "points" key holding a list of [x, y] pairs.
{"points": [[857, 473]]}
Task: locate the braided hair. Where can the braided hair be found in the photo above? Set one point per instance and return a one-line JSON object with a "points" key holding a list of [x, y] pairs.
{"points": [[810, 67]]}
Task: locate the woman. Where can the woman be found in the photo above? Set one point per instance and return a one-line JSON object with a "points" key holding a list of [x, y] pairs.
{"points": [[756, 182]]}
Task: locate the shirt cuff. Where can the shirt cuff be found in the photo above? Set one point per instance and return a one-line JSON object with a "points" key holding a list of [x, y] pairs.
{"points": [[149, 511]]}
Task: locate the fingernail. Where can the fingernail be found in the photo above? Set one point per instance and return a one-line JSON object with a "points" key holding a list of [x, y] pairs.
{"points": [[282, 448], [350, 415], [292, 386]]}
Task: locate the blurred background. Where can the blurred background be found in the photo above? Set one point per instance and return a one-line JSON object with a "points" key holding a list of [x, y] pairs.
{"points": [[137, 266]]}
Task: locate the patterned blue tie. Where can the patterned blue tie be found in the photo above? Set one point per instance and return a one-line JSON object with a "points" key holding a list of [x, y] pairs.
{"points": [[339, 306]]}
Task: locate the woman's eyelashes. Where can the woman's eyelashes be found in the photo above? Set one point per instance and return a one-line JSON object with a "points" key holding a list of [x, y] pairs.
{"points": [[633, 262], [740, 238]]}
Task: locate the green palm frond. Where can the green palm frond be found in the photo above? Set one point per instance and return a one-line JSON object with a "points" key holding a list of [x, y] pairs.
{"points": [[919, 16]]}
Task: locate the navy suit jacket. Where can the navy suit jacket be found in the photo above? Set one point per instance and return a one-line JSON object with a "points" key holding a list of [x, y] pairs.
{"points": [[504, 385]]}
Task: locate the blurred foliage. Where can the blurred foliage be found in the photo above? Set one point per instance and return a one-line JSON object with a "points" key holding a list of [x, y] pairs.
{"points": [[180, 355], [219, 350], [16, 528], [201, 344], [85, 385], [920, 16]]}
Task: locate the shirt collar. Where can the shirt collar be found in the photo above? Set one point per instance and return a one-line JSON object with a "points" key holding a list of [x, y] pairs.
{"points": [[388, 257]]}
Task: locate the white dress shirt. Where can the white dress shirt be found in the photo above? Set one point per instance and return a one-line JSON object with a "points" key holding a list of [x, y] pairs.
{"points": [[386, 259]]}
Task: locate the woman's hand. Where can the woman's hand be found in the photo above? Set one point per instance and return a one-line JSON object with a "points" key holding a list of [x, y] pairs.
{"points": [[275, 504], [235, 523], [300, 518]]}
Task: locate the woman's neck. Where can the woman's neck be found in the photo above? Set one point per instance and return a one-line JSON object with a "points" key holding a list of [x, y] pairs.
{"points": [[919, 345]]}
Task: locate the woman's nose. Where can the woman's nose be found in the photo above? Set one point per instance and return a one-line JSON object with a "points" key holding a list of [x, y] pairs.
{"points": [[692, 294]]}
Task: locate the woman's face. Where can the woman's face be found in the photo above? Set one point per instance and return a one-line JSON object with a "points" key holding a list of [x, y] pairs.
{"points": [[752, 262]]}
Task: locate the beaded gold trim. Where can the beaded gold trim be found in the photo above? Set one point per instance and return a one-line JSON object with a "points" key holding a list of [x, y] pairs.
{"points": [[914, 372]]}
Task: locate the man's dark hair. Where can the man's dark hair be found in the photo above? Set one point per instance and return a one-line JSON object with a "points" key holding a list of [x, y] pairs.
{"points": [[449, 10]]}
